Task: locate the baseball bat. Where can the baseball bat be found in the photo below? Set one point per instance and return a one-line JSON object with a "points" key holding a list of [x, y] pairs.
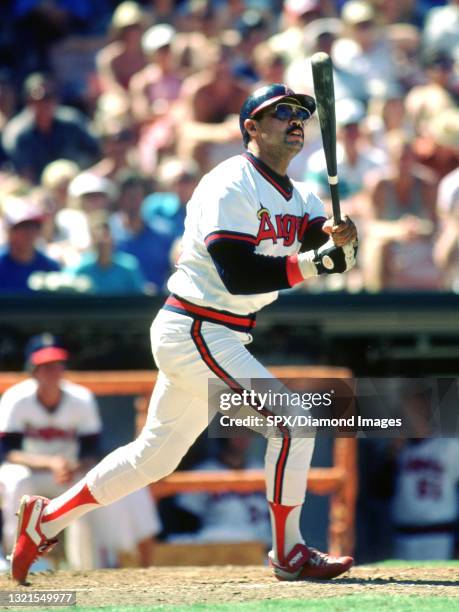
{"points": [[322, 76]]}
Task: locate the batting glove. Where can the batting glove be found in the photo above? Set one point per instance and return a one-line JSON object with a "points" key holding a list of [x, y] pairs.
{"points": [[328, 259]]}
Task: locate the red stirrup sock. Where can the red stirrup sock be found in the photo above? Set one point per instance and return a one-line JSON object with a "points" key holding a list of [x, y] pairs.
{"points": [[66, 508], [285, 523]]}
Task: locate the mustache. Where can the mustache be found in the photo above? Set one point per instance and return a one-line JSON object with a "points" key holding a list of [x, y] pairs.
{"points": [[294, 128]]}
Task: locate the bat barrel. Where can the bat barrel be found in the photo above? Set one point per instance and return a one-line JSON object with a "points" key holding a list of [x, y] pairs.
{"points": [[322, 73]]}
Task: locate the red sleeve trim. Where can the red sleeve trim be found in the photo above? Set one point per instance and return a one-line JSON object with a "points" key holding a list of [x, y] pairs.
{"points": [[294, 275], [317, 220]]}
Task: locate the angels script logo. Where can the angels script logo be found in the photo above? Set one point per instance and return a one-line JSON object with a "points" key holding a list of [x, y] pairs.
{"points": [[285, 227]]}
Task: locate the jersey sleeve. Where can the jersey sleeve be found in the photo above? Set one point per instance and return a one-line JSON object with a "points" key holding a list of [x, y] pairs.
{"points": [[313, 237], [229, 212], [315, 207]]}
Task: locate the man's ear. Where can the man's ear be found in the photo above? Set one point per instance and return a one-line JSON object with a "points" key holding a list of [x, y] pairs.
{"points": [[251, 126]]}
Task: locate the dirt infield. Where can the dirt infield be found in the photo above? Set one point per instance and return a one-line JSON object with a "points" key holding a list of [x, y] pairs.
{"points": [[191, 585]]}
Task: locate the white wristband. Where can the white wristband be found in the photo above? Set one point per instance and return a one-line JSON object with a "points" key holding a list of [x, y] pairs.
{"points": [[306, 265]]}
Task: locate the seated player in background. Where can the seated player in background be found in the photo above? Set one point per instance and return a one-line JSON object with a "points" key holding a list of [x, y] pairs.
{"points": [[425, 504], [227, 516], [50, 433]]}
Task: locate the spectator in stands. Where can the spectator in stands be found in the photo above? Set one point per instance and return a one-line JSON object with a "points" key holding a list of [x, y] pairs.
{"points": [[363, 51], [447, 245], [269, 65], [45, 131], [154, 93], [386, 113], [128, 219], [133, 235], [320, 35], [7, 98], [356, 161], [50, 434], [21, 258], [91, 192], [441, 30], [399, 244], [199, 16], [118, 141], [164, 210], [437, 149], [396, 11], [65, 228], [157, 86], [231, 516], [405, 40], [161, 11], [211, 102], [296, 14], [425, 101], [122, 58], [109, 271], [252, 30]]}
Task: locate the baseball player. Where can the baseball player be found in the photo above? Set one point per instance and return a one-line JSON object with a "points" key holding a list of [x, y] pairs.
{"points": [[249, 232], [50, 432], [425, 508]]}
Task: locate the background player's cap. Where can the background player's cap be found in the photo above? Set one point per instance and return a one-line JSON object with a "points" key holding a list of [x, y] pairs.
{"points": [[44, 348], [267, 96]]}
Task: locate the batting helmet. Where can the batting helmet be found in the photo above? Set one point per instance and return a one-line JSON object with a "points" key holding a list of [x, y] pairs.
{"points": [[266, 96]]}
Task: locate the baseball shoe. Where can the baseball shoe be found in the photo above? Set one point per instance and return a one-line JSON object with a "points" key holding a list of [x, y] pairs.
{"points": [[304, 563], [30, 541]]}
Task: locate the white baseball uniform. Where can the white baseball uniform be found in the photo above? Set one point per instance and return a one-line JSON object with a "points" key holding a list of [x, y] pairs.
{"points": [[425, 506], [202, 331], [57, 433]]}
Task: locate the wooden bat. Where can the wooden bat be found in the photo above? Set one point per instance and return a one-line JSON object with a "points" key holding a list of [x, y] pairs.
{"points": [[322, 75]]}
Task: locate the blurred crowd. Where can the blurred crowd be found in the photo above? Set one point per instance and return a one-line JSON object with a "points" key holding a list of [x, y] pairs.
{"points": [[111, 112]]}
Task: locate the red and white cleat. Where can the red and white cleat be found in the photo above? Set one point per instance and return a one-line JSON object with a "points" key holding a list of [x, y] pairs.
{"points": [[30, 541], [304, 563]]}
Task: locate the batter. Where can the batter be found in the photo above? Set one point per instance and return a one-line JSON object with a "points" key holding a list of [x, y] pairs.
{"points": [[249, 232]]}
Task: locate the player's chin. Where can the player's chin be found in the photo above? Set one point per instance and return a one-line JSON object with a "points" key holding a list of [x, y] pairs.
{"points": [[294, 143]]}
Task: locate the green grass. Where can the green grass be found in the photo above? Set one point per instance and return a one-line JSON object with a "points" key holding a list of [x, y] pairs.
{"points": [[396, 563], [363, 603]]}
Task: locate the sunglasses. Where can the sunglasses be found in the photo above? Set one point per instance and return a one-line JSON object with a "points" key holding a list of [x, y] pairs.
{"points": [[287, 112]]}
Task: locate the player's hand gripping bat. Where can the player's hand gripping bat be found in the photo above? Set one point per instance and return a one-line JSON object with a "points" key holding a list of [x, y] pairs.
{"points": [[322, 74]]}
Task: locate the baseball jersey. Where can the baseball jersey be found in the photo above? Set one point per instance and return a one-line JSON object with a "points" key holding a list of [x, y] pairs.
{"points": [[428, 475], [44, 432], [242, 200]]}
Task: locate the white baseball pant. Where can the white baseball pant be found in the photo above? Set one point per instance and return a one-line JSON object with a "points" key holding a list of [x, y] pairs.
{"points": [[188, 352]]}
